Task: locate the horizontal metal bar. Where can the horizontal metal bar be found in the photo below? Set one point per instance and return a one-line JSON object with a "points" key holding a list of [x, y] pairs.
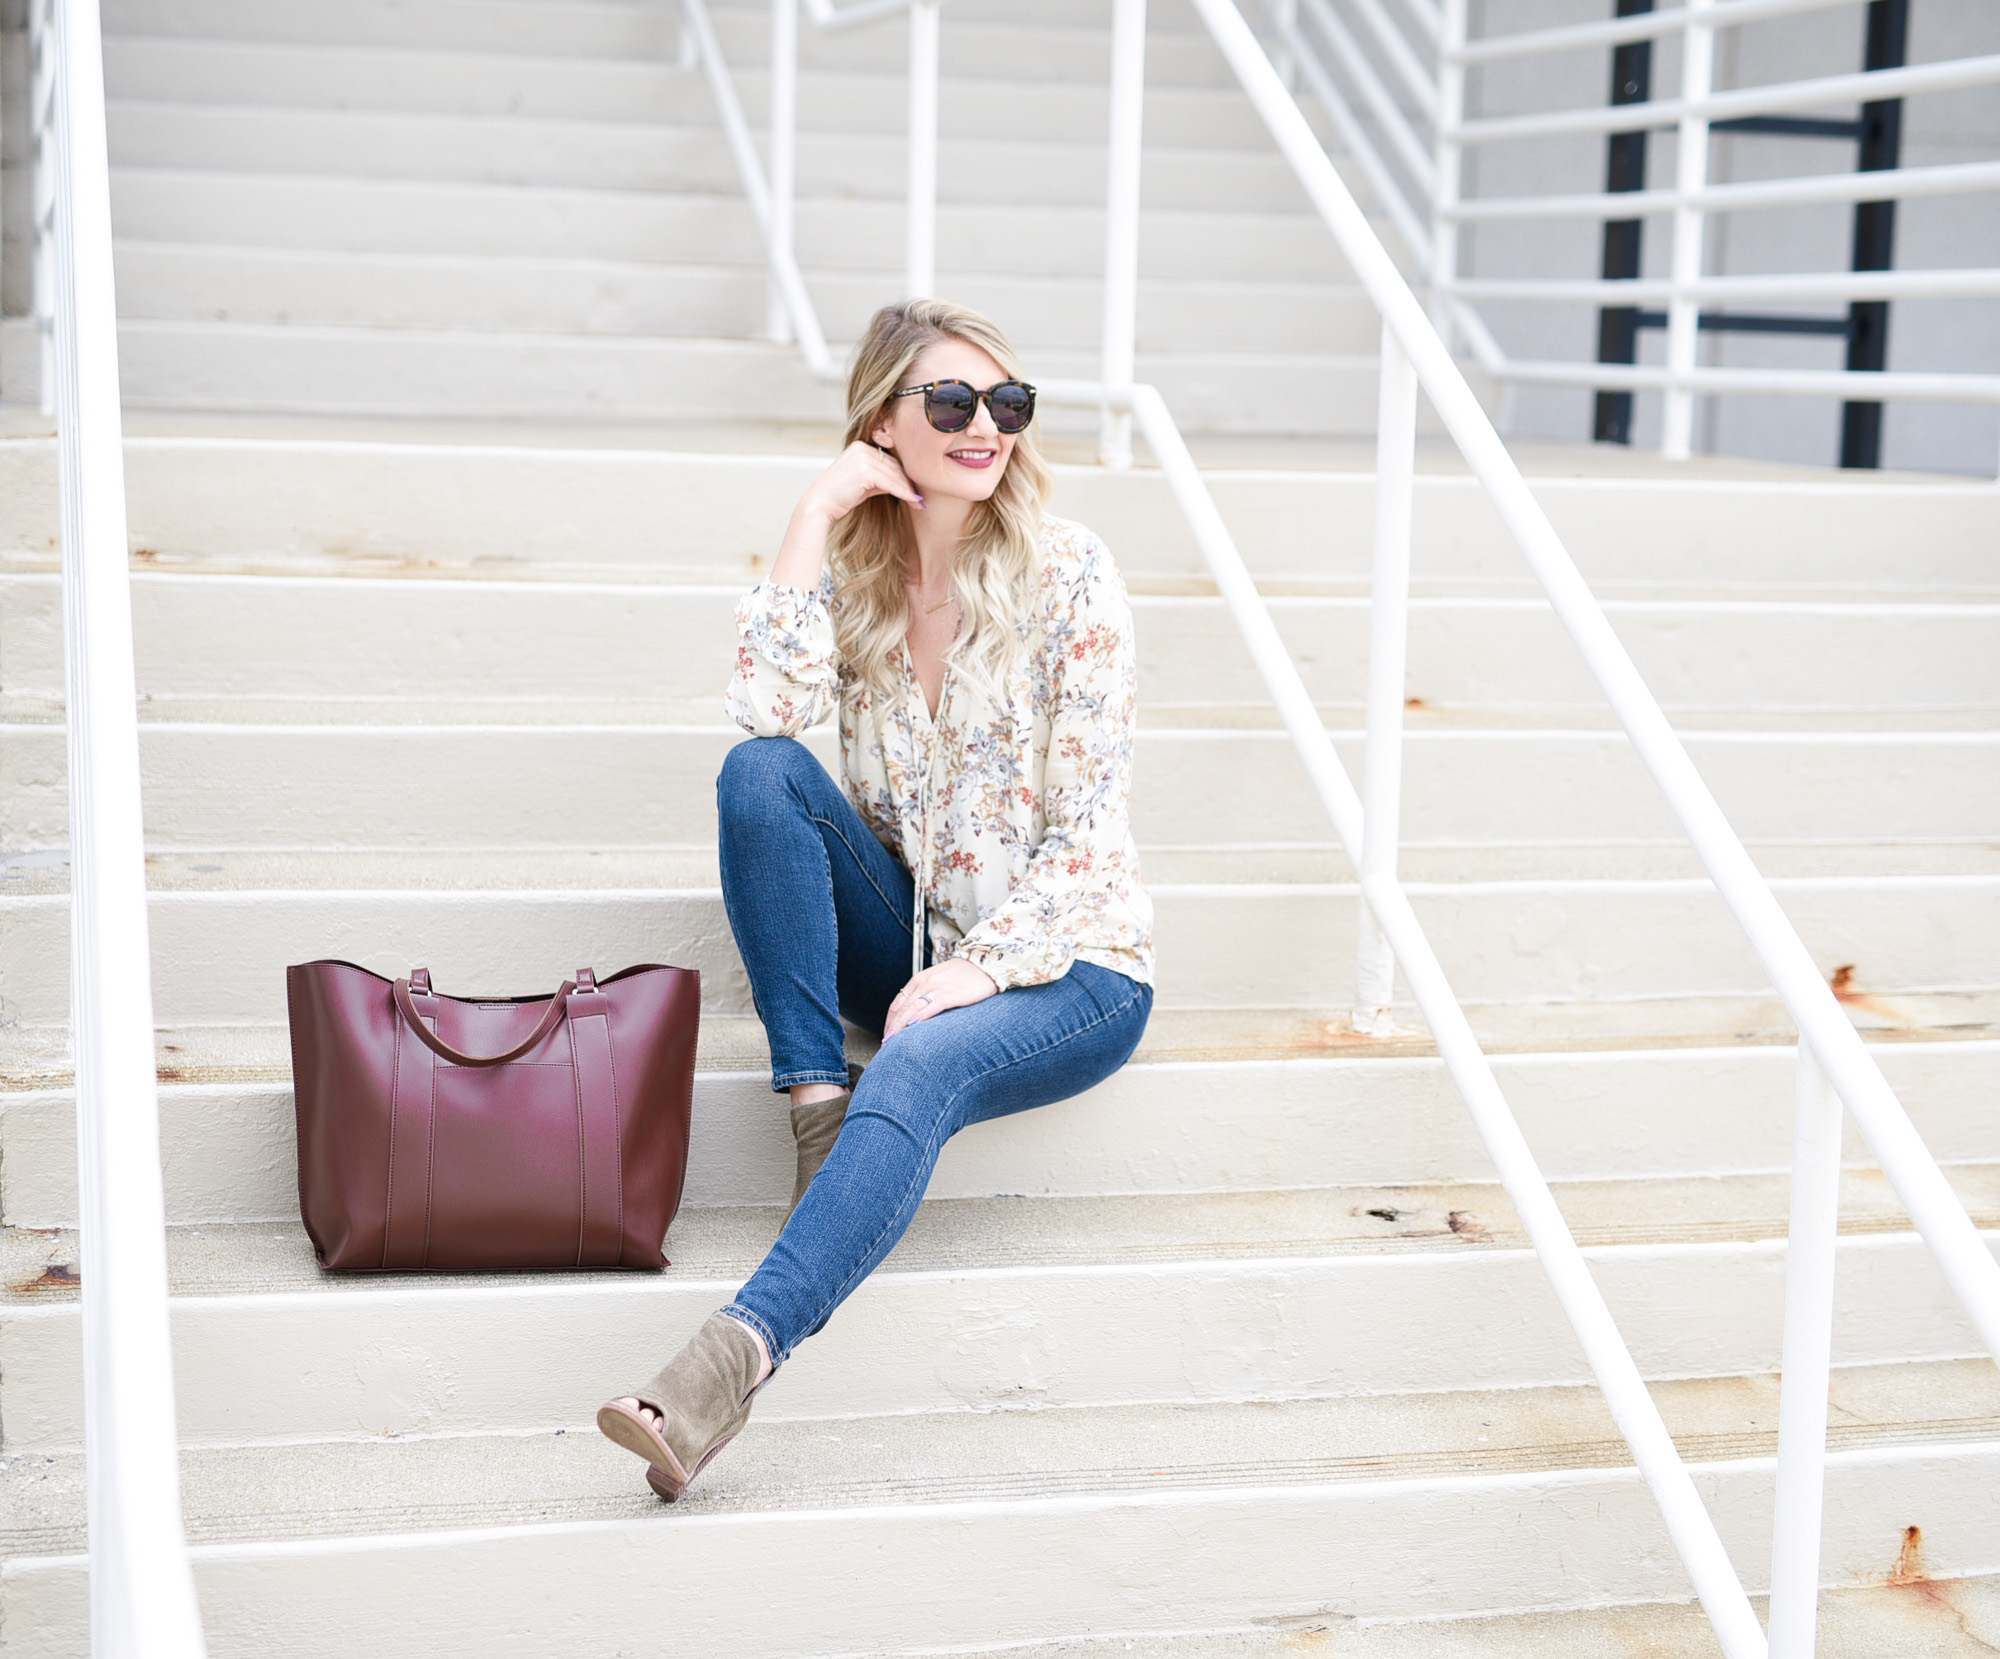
{"points": [[1741, 322], [1867, 86], [1791, 126], [1823, 285], [1891, 184], [1887, 387], [1647, 26]]}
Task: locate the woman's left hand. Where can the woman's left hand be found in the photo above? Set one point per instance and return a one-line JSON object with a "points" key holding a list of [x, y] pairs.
{"points": [[953, 983]]}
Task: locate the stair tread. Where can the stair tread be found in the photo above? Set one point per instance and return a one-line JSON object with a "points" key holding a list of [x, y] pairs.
{"points": [[980, 1234], [1309, 867], [333, 1489], [38, 1060], [1284, 590], [1903, 1618], [1970, 727]]}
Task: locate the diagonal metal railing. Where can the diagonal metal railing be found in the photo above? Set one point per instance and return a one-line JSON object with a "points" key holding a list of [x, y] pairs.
{"points": [[142, 1599]]}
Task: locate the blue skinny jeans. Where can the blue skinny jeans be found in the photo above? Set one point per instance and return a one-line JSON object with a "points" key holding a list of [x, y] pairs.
{"points": [[821, 914]]}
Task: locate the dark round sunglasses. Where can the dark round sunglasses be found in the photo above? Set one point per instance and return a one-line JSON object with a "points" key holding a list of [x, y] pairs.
{"points": [[949, 405]]}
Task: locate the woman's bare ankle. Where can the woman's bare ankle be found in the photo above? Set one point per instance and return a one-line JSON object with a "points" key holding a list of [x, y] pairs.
{"points": [[811, 1094]]}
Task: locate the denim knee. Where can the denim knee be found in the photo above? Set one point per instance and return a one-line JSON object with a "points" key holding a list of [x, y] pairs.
{"points": [[901, 1088], [755, 774]]}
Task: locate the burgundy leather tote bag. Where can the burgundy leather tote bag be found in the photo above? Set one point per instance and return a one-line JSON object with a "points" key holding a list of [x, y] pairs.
{"points": [[532, 1132]]}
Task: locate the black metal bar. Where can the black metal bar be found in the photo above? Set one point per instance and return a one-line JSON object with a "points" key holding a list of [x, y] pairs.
{"points": [[1624, 169], [1874, 232], [1790, 126], [1751, 322]]}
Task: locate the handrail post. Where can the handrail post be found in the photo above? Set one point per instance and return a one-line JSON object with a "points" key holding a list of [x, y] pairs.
{"points": [[1388, 651], [920, 259], [1450, 161], [1690, 175], [142, 1599], [784, 158], [1808, 1354], [1121, 226]]}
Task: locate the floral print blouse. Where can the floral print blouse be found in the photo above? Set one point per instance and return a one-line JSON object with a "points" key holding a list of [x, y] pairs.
{"points": [[1014, 815]]}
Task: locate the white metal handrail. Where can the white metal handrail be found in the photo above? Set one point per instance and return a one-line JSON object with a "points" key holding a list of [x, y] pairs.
{"points": [[1860, 384], [1891, 183], [1363, 108], [1865, 86], [142, 1599], [1571, 37], [1824, 285]]}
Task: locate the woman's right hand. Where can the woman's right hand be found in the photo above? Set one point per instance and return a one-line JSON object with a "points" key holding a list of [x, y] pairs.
{"points": [[859, 471]]}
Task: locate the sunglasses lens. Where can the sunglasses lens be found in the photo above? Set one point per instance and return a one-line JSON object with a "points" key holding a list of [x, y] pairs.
{"points": [[1013, 405], [950, 405]]}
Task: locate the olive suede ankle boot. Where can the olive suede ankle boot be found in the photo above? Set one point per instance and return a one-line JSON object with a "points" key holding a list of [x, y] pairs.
{"points": [[815, 1128], [703, 1398]]}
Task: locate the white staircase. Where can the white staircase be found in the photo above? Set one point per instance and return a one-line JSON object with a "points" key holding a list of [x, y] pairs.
{"points": [[523, 209], [1244, 1352]]}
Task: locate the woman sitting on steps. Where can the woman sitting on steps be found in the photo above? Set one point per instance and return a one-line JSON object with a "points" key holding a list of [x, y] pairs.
{"points": [[969, 888]]}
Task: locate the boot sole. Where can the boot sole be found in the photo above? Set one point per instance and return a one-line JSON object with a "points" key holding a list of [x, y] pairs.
{"points": [[628, 1429]]}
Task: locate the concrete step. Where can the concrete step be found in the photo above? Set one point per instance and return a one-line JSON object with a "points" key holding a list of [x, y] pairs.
{"points": [[219, 948], [189, 282], [280, 639], [300, 76], [412, 373], [506, 149], [415, 216], [1166, 1518], [1076, 48], [986, 1304], [537, 28], [416, 507], [1161, 1126], [976, 48], [1887, 1612], [1476, 803]]}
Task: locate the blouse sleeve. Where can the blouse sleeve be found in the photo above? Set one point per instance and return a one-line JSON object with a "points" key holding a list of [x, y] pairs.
{"points": [[1084, 859], [787, 667]]}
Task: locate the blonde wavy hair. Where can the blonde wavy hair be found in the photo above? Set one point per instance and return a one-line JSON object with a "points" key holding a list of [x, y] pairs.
{"points": [[994, 570]]}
